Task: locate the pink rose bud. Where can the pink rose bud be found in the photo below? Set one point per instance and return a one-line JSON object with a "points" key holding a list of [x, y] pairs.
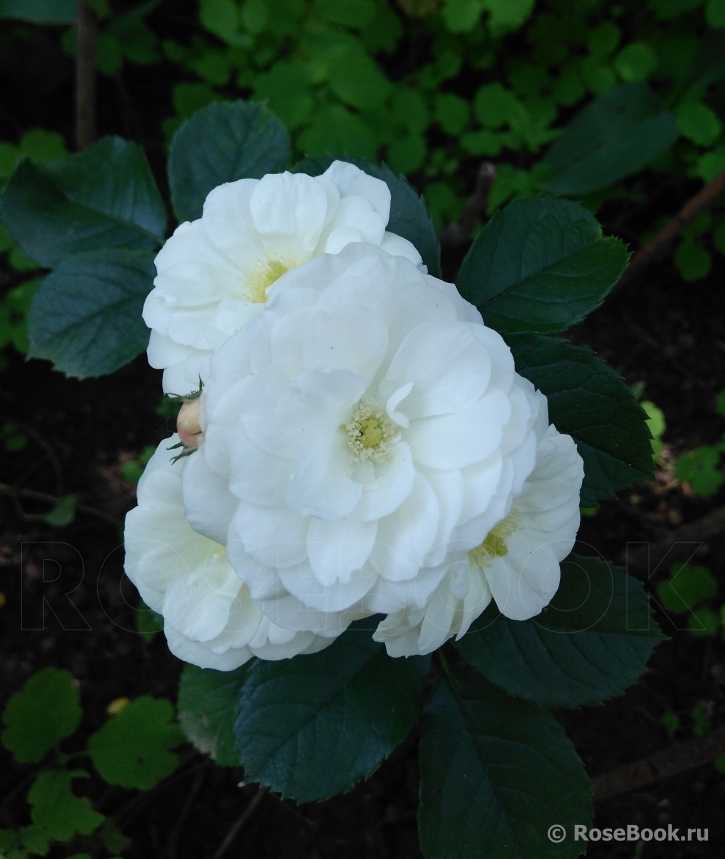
{"points": [[187, 425]]}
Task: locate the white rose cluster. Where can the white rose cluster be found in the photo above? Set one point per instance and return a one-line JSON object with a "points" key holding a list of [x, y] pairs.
{"points": [[362, 444]]}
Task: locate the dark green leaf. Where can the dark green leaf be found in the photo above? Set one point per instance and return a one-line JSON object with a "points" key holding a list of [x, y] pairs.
{"points": [[496, 774], [707, 66], [618, 134], [103, 197], [588, 644], [208, 709], [313, 726], [589, 401], [409, 217], [540, 265], [56, 810], [132, 748], [40, 11], [222, 143], [46, 710], [148, 622], [86, 316]]}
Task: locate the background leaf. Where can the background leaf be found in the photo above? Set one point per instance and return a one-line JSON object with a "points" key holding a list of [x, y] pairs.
{"points": [[589, 401], [616, 135], [222, 143], [208, 709], [40, 11], [86, 315], [540, 265], [409, 217], [103, 197], [45, 711], [496, 773], [132, 748], [588, 644], [56, 810], [314, 726]]}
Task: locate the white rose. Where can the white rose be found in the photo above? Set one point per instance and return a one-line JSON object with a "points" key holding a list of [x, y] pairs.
{"points": [[348, 431], [210, 618], [517, 564], [215, 274]]}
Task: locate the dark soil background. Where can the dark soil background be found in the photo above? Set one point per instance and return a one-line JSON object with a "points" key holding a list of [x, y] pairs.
{"points": [[658, 331]]}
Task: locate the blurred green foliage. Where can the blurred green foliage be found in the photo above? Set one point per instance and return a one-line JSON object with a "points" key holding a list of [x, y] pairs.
{"points": [[592, 100], [132, 748]]}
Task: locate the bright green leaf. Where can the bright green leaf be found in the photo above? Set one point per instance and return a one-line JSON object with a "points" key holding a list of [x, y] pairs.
{"points": [[55, 809], [700, 469], [102, 197], [496, 774], [287, 87], [220, 17], [452, 113], [461, 16], [494, 105], [190, 98], [589, 401], [407, 154], [703, 621], [603, 40], [615, 136], [590, 643], [356, 79], [34, 840], [692, 260], [222, 143], [656, 424], [63, 512], [505, 15], [41, 714], [133, 748], [411, 110], [720, 403], [688, 585], [636, 62], [313, 726], [350, 13], [208, 709], [715, 13], [408, 215], [711, 164], [42, 145], [86, 315], [540, 265], [698, 123]]}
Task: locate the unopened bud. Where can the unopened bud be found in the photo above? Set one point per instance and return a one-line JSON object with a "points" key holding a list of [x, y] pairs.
{"points": [[187, 425]]}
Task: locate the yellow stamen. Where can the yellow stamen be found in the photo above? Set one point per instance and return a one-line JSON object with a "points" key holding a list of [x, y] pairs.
{"points": [[495, 544]]}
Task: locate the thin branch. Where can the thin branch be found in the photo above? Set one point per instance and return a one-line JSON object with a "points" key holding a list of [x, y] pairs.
{"points": [[170, 850], [675, 759], [53, 499], [86, 27], [657, 245], [459, 233], [237, 827]]}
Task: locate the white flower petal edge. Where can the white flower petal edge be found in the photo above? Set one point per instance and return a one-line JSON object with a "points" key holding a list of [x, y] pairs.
{"points": [[517, 565], [215, 274], [210, 618], [371, 429]]}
